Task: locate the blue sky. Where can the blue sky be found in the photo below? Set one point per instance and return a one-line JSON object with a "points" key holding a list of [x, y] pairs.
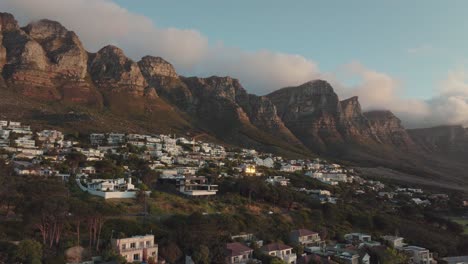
{"points": [[416, 42]]}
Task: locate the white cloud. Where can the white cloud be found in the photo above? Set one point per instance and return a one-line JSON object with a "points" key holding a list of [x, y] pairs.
{"points": [[378, 90], [102, 22]]}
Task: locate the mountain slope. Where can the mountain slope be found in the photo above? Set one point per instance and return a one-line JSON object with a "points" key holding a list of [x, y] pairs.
{"points": [[48, 79]]}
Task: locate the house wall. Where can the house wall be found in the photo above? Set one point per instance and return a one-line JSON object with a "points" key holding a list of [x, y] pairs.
{"points": [[107, 195]]}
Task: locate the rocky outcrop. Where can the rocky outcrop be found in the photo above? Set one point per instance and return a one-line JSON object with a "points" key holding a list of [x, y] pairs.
{"points": [[156, 68], [215, 102], [114, 73], [26, 67], [162, 75], [67, 61], [225, 105], [443, 139], [46, 61], [63, 48], [312, 112], [262, 114], [388, 130]]}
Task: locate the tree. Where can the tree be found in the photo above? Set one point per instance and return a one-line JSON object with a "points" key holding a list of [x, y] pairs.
{"points": [[171, 252], [79, 211], [29, 251], [277, 261], [112, 256], [74, 159], [201, 255]]}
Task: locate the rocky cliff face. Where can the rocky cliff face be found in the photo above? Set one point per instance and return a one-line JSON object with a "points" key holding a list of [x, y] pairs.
{"points": [[387, 129], [46, 61], [311, 111], [67, 61], [314, 114], [26, 67], [226, 105], [113, 72], [444, 139], [215, 101], [161, 75]]}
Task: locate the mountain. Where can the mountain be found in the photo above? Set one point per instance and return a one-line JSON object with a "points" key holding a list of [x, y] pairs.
{"points": [[314, 113], [449, 140], [48, 79]]}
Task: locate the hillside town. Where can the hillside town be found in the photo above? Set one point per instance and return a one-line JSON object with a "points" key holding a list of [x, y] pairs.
{"points": [[185, 165]]}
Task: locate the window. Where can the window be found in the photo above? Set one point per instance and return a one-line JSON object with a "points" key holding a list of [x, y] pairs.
{"points": [[142, 244], [136, 256], [124, 246], [272, 254], [287, 252], [148, 243], [132, 245]]}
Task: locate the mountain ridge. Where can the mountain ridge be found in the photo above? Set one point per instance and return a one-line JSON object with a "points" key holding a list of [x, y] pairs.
{"points": [[47, 64]]}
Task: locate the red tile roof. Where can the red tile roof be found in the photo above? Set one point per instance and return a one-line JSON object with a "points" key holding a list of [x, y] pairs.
{"points": [[303, 232], [237, 249], [275, 247]]}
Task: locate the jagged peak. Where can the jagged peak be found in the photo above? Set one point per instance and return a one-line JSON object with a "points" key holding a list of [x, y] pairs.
{"points": [[152, 66], [155, 59], [353, 99], [113, 53], [314, 83], [214, 80], [111, 49], [314, 87], [8, 22], [45, 28], [380, 116]]}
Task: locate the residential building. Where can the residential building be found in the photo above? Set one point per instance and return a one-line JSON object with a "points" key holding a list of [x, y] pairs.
{"points": [[111, 184], [394, 241], [136, 248], [279, 180], [357, 237], [197, 186], [305, 237], [238, 253], [291, 168], [97, 139], [419, 255], [281, 251]]}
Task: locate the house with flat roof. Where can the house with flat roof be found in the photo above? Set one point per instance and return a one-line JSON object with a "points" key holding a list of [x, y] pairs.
{"points": [[394, 241], [196, 186], [305, 237], [419, 255], [136, 248]]}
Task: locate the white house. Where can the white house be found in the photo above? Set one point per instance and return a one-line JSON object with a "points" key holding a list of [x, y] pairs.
{"points": [[136, 248], [419, 255], [281, 251], [279, 180], [196, 186]]}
